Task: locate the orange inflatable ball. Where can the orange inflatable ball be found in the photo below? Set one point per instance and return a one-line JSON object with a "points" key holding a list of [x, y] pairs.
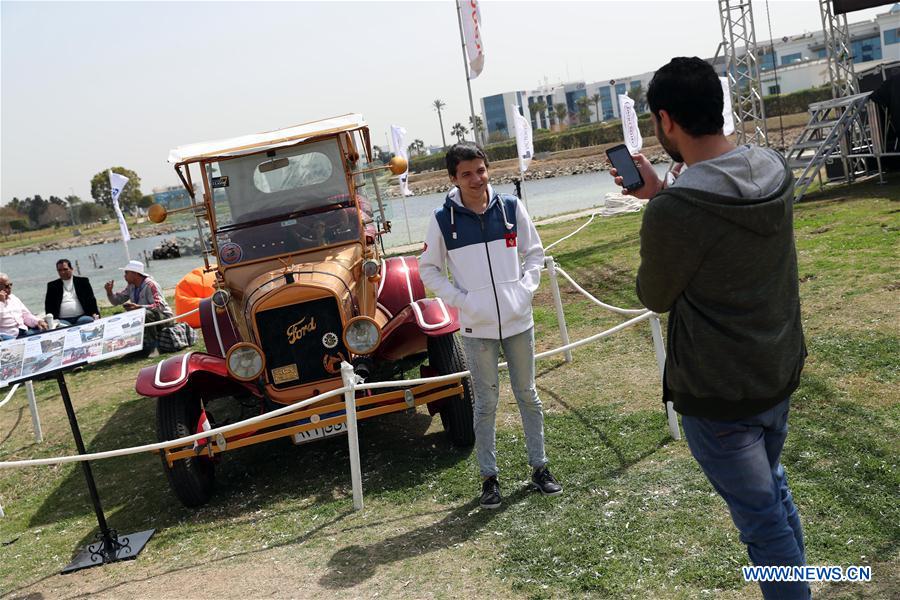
{"points": [[193, 287]]}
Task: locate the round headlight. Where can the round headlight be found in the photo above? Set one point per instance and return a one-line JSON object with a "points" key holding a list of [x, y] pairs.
{"points": [[370, 268], [245, 361], [362, 335], [220, 298]]}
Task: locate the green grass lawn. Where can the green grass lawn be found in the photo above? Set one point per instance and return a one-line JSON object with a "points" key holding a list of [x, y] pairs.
{"points": [[637, 518]]}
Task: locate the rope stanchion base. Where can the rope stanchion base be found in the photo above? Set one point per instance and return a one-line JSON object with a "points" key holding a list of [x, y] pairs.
{"points": [[108, 549]]}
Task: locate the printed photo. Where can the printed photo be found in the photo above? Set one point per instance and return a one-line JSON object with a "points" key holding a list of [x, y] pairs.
{"points": [[81, 353], [122, 342], [10, 370], [12, 354], [52, 345], [89, 333], [41, 363]]}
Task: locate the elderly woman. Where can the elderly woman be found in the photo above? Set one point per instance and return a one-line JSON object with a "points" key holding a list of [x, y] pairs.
{"points": [[15, 318]]}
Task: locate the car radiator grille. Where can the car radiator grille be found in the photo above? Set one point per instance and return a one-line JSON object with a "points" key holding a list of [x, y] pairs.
{"points": [[295, 340]]}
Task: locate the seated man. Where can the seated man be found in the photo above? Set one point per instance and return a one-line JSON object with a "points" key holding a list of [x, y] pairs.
{"points": [[15, 318], [70, 299], [141, 292]]}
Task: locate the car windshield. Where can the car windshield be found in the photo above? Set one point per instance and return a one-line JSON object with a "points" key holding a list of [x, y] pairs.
{"points": [[285, 200]]}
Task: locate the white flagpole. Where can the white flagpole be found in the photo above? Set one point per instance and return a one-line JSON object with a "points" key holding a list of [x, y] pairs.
{"points": [[462, 39], [631, 132], [116, 185], [524, 145]]}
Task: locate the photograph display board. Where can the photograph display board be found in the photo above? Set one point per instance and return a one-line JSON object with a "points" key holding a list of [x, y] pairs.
{"points": [[24, 358]]}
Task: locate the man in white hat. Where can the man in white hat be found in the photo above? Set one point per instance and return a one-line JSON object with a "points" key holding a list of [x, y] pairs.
{"points": [[142, 292]]}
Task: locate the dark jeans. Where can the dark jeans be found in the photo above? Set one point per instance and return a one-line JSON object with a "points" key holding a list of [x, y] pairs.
{"points": [[741, 459], [29, 331], [69, 321]]}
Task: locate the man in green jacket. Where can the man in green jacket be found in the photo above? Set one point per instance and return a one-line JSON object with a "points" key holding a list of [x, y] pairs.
{"points": [[717, 254]]}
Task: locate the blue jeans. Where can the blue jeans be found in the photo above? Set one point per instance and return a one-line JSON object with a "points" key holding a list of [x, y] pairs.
{"points": [[741, 459], [482, 355], [69, 321]]}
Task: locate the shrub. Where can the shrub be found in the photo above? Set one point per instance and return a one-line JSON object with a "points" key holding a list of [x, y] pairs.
{"points": [[795, 102]]}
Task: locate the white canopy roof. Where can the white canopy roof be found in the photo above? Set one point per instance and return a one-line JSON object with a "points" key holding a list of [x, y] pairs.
{"points": [[255, 142]]}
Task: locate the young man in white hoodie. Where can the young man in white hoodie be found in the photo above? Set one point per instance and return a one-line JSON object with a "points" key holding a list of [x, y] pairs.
{"points": [[494, 254]]}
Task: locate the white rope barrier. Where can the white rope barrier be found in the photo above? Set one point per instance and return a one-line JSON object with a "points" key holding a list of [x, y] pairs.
{"points": [[642, 315], [9, 396], [170, 319], [294, 407], [597, 336], [546, 248], [176, 442], [32, 406], [615, 309]]}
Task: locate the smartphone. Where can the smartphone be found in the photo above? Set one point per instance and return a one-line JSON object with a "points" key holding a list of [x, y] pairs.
{"points": [[621, 160]]}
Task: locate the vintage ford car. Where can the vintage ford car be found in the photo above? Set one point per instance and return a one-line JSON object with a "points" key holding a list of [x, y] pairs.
{"points": [[296, 217]]}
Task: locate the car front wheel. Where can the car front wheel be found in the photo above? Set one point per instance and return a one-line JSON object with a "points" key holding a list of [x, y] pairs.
{"points": [[192, 479], [445, 355]]}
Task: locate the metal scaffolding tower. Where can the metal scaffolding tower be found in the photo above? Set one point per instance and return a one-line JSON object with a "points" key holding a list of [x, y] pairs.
{"points": [[837, 48], [742, 70]]}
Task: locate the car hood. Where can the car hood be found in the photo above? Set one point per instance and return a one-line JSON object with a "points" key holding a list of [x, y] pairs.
{"points": [[334, 275]]}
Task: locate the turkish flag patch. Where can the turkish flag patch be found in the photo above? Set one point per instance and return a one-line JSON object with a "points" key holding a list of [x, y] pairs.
{"points": [[510, 240]]}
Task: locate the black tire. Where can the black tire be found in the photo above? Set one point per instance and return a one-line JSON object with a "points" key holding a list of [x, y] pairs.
{"points": [[192, 479], [445, 355]]}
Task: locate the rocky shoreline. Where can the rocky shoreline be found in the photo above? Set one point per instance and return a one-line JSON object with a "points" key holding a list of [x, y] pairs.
{"points": [[557, 164], [537, 171], [108, 237]]}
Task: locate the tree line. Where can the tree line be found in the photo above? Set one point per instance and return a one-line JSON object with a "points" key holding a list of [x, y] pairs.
{"points": [[36, 212]]}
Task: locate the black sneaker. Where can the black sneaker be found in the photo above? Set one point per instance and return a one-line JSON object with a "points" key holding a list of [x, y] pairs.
{"points": [[490, 493], [543, 481]]}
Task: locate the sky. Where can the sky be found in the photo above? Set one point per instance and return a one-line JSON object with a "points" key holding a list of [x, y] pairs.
{"points": [[85, 86]]}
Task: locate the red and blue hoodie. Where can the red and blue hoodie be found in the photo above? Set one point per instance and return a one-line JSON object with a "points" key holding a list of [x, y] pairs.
{"points": [[494, 259]]}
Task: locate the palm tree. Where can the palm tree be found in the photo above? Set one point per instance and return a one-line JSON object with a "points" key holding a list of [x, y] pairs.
{"points": [[640, 98], [584, 110], [538, 108], [417, 147], [561, 111], [596, 100], [438, 105], [477, 127], [459, 130]]}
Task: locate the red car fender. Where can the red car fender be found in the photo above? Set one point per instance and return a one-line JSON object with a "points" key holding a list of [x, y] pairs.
{"points": [[170, 375], [407, 333], [400, 284], [434, 317], [218, 330]]}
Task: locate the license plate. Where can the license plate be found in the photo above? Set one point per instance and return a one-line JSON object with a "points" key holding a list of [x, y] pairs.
{"points": [[311, 435]]}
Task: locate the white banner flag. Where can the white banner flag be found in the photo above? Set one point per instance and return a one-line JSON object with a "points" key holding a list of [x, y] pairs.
{"points": [[524, 140], [399, 148], [727, 113], [116, 185], [630, 129], [470, 14]]}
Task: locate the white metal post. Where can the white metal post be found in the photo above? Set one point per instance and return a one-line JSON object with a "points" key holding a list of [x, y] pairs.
{"points": [[35, 417], [557, 302], [349, 378], [656, 332]]}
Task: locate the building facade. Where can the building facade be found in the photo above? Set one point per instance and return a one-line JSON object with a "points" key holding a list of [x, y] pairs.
{"points": [[789, 64], [497, 111]]}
